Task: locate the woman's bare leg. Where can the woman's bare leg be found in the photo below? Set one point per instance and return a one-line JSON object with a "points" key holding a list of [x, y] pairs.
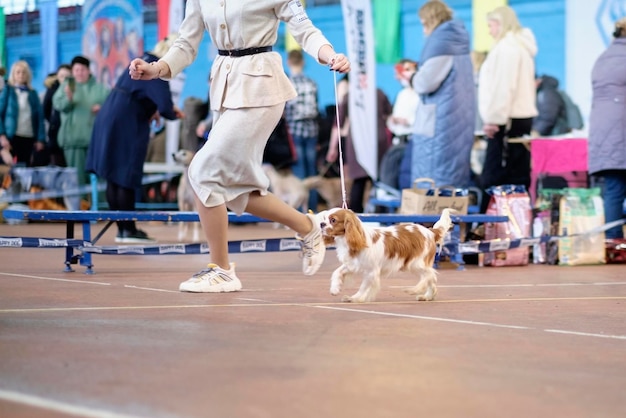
{"points": [[214, 223], [272, 208]]}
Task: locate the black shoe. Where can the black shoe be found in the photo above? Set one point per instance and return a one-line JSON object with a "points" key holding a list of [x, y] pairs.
{"points": [[133, 237]]}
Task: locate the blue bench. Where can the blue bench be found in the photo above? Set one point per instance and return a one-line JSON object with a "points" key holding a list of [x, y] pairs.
{"points": [[79, 251]]}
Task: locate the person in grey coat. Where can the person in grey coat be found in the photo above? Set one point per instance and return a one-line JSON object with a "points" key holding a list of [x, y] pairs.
{"points": [[607, 136], [443, 136]]}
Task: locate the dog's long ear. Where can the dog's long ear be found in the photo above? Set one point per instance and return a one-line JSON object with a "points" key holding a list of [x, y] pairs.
{"points": [[355, 235]]}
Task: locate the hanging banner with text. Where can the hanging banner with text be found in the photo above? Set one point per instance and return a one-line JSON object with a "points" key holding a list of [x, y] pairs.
{"points": [[357, 16]]}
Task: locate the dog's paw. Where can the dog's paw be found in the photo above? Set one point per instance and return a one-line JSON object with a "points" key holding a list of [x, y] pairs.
{"points": [[428, 295], [356, 298], [334, 290]]}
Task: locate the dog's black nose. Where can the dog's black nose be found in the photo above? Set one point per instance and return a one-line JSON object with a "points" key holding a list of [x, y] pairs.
{"points": [[322, 225]]}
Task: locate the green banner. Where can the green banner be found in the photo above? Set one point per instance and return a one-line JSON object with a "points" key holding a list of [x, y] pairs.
{"points": [[387, 30]]}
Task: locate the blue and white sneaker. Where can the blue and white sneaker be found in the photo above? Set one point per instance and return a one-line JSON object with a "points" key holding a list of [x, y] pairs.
{"points": [[313, 248], [212, 279]]}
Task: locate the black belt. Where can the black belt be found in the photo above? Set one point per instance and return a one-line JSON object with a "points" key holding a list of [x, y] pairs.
{"points": [[244, 52]]}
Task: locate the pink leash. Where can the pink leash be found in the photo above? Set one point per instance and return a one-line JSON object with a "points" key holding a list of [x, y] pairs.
{"points": [[344, 203]]}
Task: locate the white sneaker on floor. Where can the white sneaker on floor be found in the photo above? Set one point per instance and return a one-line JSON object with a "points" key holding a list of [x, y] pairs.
{"points": [[313, 248], [212, 279]]}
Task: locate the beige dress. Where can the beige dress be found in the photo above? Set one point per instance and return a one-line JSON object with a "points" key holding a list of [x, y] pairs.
{"points": [[247, 94]]}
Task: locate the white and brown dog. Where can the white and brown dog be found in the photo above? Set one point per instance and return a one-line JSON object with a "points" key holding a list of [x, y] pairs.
{"points": [[378, 252], [185, 196]]}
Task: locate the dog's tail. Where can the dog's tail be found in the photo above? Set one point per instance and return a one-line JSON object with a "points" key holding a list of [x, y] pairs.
{"points": [[442, 226]]}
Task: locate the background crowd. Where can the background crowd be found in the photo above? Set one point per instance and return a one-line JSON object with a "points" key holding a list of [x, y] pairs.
{"points": [[453, 101]]}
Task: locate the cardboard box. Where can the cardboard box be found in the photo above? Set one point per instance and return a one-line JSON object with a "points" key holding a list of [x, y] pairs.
{"points": [[425, 199]]}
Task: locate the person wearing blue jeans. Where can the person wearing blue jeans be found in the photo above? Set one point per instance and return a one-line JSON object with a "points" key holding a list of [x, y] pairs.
{"points": [[302, 115], [614, 195]]}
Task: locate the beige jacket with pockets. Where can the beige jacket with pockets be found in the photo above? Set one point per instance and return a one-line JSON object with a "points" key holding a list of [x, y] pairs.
{"points": [[253, 80]]}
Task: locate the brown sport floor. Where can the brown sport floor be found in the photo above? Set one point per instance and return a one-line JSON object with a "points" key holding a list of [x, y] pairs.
{"points": [[535, 341]]}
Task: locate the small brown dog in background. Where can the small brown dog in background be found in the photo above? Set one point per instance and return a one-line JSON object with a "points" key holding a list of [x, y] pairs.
{"points": [[287, 187], [185, 196], [295, 191], [328, 188]]}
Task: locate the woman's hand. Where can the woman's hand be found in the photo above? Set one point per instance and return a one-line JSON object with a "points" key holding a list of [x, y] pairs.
{"points": [[336, 62], [490, 130], [333, 146], [4, 142], [399, 121], [141, 70], [156, 117], [340, 63], [201, 129], [332, 154], [179, 113]]}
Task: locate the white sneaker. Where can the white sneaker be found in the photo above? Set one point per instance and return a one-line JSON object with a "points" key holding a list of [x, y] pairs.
{"points": [[212, 279], [313, 248]]}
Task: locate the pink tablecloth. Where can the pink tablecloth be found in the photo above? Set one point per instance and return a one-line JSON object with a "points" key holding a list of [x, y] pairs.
{"points": [[556, 156]]}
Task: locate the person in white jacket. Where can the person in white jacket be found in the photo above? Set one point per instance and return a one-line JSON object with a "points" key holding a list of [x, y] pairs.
{"points": [[507, 99]]}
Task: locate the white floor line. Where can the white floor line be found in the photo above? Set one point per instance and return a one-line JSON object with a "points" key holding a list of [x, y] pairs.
{"points": [[62, 407], [255, 300], [470, 286], [53, 279], [427, 318], [156, 289], [280, 289], [465, 322], [587, 334], [152, 289]]}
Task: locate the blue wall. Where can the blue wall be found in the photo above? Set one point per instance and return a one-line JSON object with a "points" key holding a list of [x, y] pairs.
{"points": [[545, 17]]}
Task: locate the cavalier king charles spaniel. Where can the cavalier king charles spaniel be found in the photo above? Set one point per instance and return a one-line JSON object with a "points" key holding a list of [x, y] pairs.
{"points": [[378, 252]]}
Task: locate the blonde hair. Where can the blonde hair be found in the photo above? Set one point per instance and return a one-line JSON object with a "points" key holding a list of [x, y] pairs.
{"points": [[161, 47], [620, 28], [29, 73], [507, 18], [433, 13]]}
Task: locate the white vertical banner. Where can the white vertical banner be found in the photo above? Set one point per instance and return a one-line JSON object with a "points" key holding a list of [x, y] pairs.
{"points": [[357, 16], [176, 14], [589, 27], [172, 127]]}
